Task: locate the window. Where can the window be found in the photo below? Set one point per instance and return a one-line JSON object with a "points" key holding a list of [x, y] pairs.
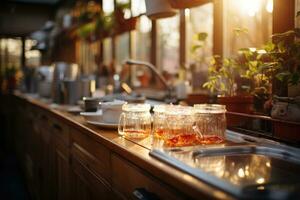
{"points": [[11, 52], [33, 57], [122, 50], [107, 51], [142, 35], [246, 24], [297, 9], [87, 57], [168, 44], [199, 21]]}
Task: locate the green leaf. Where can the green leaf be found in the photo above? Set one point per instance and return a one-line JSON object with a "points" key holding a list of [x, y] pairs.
{"points": [[294, 79], [244, 50], [239, 31], [202, 36], [281, 47], [196, 47], [283, 75], [269, 47]]}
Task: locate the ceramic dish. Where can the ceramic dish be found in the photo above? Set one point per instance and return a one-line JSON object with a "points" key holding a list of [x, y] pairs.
{"points": [[92, 116], [112, 111], [103, 124]]}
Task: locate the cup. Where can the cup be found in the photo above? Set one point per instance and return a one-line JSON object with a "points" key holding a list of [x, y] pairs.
{"points": [[91, 104], [135, 121]]}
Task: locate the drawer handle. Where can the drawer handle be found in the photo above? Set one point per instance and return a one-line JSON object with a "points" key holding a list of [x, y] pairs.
{"points": [[143, 194], [57, 127]]}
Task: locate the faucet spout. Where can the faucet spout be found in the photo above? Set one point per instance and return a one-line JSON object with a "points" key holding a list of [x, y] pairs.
{"points": [[157, 73]]}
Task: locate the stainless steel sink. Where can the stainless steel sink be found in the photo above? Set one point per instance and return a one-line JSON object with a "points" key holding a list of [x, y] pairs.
{"points": [[246, 167]]}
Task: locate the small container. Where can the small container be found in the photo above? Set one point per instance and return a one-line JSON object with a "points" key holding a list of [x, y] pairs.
{"points": [[210, 120], [159, 121], [135, 121], [91, 104], [179, 121]]}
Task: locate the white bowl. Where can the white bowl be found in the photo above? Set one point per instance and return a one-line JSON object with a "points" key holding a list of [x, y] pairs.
{"points": [[112, 111], [92, 116]]}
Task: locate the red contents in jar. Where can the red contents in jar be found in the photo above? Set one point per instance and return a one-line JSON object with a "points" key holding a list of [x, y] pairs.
{"points": [[159, 133], [192, 139], [136, 133]]}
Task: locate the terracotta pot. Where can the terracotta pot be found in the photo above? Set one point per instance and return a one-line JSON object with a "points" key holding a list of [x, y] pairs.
{"points": [[180, 4], [294, 90], [240, 104], [197, 99], [157, 9]]}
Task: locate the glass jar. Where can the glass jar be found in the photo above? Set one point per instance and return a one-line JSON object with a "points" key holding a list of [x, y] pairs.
{"points": [[159, 121], [178, 121], [135, 121], [210, 120]]}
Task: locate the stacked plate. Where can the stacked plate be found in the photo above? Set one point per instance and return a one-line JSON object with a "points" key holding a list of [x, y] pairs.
{"points": [[107, 117]]}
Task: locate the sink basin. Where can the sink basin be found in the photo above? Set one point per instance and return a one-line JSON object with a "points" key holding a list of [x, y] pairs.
{"points": [[245, 166]]}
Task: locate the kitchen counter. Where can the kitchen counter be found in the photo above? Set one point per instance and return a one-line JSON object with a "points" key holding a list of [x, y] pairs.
{"points": [[124, 166]]}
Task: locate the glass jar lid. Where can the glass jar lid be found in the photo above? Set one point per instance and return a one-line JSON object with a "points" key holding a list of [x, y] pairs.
{"points": [[132, 107], [162, 108], [179, 110], [209, 108]]}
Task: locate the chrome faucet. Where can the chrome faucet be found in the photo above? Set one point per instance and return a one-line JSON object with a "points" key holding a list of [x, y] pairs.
{"points": [[169, 96]]}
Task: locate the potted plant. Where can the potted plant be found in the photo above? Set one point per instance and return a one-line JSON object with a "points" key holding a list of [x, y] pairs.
{"points": [[223, 78], [259, 72], [285, 55]]}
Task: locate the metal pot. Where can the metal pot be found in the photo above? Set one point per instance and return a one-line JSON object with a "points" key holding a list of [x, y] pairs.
{"points": [[45, 78], [71, 91], [62, 71]]}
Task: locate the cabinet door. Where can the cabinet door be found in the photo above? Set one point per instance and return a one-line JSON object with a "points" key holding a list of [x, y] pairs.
{"points": [[61, 176], [133, 183], [45, 160], [86, 185]]}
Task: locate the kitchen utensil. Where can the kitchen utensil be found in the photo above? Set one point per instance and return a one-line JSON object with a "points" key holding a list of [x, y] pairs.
{"points": [[91, 104], [45, 78], [71, 91], [157, 9], [62, 71]]}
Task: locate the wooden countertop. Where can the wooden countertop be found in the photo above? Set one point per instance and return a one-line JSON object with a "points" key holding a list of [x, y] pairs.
{"points": [[135, 151]]}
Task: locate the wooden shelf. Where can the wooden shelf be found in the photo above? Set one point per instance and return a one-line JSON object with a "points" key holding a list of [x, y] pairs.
{"points": [[286, 131], [124, 26]]}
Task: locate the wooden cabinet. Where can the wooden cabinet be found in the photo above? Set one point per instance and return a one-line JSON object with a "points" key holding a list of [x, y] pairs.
{"points": [[45, 160], [90, 168], [63, 161], [86, 184], [60, 160], [61, 176], [133, 183]]}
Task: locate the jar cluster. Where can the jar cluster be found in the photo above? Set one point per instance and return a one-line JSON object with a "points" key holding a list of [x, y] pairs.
{"points": [[174, 124]]}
